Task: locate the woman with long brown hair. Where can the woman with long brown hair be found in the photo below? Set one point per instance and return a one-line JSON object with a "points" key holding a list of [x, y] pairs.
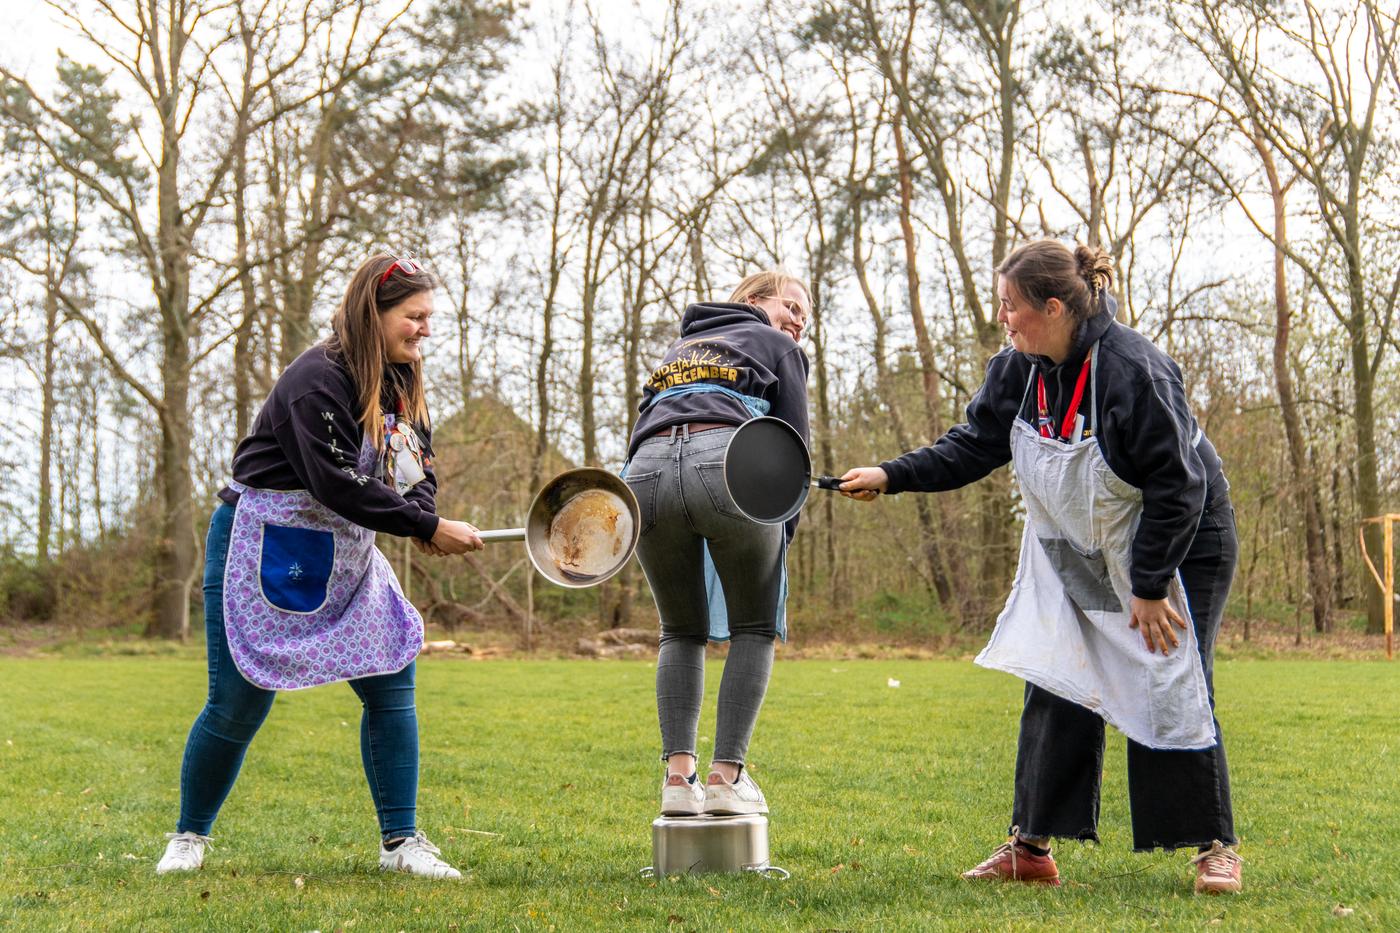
{"points": [[1126, 561], [295, 592]]}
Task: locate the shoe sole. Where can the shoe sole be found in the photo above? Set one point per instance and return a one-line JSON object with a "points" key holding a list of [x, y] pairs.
{"points": [[414, 874], [1051, 882], [735, 810]]}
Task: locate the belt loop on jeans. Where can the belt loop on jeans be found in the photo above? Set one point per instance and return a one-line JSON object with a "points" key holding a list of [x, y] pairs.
{"points": [[685, 433]]}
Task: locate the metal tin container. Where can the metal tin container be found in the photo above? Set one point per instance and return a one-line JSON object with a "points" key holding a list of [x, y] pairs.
{"points": [[698, 844]]}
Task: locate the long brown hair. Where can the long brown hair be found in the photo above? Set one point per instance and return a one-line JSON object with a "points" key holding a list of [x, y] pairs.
{"points": [[1048, 269], [357, 337]]}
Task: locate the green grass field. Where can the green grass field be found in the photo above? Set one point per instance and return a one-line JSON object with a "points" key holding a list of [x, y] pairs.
{"points": [[540, 778]]}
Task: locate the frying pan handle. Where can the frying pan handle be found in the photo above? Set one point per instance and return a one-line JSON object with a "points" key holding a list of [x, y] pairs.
{"points": [[829, 482], [502, 534]]}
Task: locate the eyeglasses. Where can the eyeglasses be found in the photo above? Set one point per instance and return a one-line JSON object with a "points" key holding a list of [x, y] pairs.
{"points": [[407, 266]]}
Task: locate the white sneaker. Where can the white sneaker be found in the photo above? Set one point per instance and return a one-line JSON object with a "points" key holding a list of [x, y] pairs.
{"points": [[417, 856], [184, 852], [741, 797], [680, 797]]}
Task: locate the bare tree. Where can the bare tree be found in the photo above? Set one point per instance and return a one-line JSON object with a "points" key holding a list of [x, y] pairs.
{"points": [[1312, 85], [41, 231], [162, 201]]}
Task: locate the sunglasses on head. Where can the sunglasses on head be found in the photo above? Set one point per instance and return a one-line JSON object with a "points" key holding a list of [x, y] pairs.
{"points": [[406, 266]]}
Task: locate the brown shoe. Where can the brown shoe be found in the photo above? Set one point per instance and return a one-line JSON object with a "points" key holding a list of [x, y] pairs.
{"points": [[1218, 870], [1012, 861]]}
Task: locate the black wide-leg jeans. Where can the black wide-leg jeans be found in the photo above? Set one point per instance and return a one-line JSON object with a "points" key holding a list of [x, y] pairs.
{"points": [[1178, 798]]}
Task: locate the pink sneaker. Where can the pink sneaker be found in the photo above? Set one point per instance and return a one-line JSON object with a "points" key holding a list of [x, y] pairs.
{"points": [[1012, 861], [1218, 870]]}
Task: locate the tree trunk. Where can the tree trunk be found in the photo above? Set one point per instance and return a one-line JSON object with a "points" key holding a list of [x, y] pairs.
{"points": [[930, 536], [824, 421], [588, 419], [176, 548], [177, 545], [95, 426], [243, 335], [46, 434], [556, 271], [922, 341], [1368, 497], [1288, 403]]}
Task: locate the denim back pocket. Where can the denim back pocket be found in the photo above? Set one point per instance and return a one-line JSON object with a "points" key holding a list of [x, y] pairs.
{"points": [[643, 486], [1085, 576], [294, 568], [712, 475]]}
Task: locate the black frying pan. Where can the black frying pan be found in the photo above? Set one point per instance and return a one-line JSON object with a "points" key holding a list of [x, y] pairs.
{"points": [[768, 471]]}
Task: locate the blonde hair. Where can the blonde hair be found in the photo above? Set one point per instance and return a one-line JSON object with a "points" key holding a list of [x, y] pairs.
{"points": [[770, 283], [356, 335]]}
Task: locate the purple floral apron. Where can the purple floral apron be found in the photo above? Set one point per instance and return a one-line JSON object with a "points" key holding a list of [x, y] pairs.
{"points": [[308, 598]]}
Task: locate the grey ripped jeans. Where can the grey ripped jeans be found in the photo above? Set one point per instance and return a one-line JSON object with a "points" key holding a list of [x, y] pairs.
{"points": [[679, 483]]}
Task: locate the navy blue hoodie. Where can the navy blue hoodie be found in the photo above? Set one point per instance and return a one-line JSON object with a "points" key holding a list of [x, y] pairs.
{"points": [[730, 345], [307, 436], [734, 346], [1142, 423]]}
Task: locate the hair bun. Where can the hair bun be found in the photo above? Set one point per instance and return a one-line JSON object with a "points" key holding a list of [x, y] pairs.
{"points": [[1095, 266]]}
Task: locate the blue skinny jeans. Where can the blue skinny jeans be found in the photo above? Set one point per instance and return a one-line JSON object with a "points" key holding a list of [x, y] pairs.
{"points": [[236, 708]]}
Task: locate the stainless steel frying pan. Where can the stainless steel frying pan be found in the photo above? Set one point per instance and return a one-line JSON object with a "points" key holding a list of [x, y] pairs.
{"points": [[581, 529]]}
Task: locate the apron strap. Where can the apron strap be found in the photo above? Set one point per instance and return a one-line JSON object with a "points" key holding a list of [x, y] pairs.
{"points": [[1071, 430], [757, 407], [1030, 381], [1094, 384]]}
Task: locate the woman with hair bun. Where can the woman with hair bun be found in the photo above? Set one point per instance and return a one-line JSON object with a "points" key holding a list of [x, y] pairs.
{"points": [[1127, 557], [716, 574], [295, 592]]}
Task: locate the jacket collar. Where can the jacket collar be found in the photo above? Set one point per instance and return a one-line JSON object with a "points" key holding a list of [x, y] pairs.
{"points": [[1088, 334], [706, 315]]}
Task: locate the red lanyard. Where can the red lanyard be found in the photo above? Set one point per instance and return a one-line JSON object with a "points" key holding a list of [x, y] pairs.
{"points": [[1045, 421]]}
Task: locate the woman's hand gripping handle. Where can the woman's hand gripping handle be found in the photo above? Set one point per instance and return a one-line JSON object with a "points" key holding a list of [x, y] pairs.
{"points": [[452, 537], [864, 483]]}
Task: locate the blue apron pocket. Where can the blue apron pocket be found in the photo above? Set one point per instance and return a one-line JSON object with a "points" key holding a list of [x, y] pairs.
{"points": [[295, 567], [1085, 576]]}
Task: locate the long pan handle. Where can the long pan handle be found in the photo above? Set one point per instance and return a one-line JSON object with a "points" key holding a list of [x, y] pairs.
{"points": [[828, 482], [502, 534]]}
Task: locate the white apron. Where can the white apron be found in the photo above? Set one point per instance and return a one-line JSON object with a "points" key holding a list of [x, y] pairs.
{"points": [[1065, 625]]}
